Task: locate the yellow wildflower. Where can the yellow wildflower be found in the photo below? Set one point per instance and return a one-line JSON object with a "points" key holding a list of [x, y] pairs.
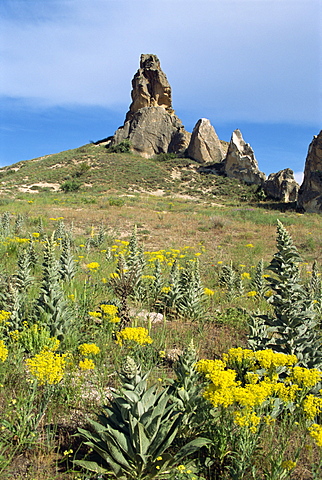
{"points": [[208, 292], [93, 265], [3, 351], [138, 335], [86, 364], [288, 465], [89, 349], [47, 367], [316, 433]]}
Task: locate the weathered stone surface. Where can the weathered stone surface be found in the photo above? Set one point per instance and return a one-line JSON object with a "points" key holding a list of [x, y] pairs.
{"points": [[205, 146], [153, 130], [150, 87], [282, 186], [240, 161], [150, 124], [310, 193]]}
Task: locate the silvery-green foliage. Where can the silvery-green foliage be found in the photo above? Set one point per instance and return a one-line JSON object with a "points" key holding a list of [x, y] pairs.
{"points": [[292, 328], [52, 310], [5, 224], [186, 390], [67, 264], [32, 254], [192, 293], [259, 283], [18, 224], [23, 277], [124, 284], [135, 430], [60, 232], [100, 236], [230, 280], [171, 298]]}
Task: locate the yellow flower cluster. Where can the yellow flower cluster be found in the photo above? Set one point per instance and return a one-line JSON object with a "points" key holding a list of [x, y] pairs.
{"points": [[288, 465], [208, 292], [246, 275], [4, 316], [306, 377], [312, 406], [316, 433], [95, 314], [86, 364], [261, 382], [264, 358], [92, 266], [269, 359], [249, 419], [89, 349], [110, 311], [3, 351], [47, 367], [139, 335]]}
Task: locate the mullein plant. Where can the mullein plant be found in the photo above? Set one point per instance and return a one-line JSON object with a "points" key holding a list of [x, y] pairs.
{"points": [[67, 264], [134, 432], [293, 326], [51, 309]]}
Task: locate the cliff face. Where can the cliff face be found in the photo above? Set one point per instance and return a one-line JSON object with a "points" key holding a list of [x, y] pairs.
{"points": [[310, 193]]}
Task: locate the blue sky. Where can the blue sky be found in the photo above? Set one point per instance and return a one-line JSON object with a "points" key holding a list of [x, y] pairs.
{"points": [[67, 65]]}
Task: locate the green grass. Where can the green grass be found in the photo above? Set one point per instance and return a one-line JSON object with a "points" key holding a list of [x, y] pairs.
{"points": [[118, 191]]}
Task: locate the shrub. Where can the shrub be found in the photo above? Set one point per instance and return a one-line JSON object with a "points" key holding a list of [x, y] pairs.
{"points": [[70, 186], [122, 147]]}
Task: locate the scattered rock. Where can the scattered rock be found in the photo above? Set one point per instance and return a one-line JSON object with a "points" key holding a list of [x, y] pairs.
{"points": [[150, 124], [205, 146], [310, 193], [240, 161], [282, 186]]}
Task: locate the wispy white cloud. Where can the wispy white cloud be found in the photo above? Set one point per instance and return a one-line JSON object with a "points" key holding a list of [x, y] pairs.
{"points": [[254, 60]]}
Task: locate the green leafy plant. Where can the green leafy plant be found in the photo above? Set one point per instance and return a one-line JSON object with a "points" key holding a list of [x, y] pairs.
{"points": [[122, 147], [70, 186], [292, 329], [135, 431]]}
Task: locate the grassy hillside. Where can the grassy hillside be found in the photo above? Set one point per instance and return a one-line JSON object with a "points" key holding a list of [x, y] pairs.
{"points": [[199, 244]]}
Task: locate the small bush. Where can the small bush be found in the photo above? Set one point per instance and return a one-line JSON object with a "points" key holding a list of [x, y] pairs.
{"points": [[70, 186], [122, 147], [165, 157]]}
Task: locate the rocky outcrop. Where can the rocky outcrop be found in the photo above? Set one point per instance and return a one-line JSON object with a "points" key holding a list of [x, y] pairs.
{"points": [[150, 87], [150, 124], [282, 186], [310, 193], [240, 161], [205, 146]]}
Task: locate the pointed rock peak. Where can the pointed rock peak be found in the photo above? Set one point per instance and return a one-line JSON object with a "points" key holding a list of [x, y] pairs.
{"points": [[150, 86], [150, 124], [240, 161], [205, 145]]}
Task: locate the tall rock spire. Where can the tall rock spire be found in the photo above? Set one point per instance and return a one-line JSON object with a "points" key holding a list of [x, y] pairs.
{"points": [[150, 124]]}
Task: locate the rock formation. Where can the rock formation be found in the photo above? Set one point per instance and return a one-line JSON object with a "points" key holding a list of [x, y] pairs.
{"points": [[282, 186], [150, 124], [240, 161], [310, 193], [205, 146]]}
